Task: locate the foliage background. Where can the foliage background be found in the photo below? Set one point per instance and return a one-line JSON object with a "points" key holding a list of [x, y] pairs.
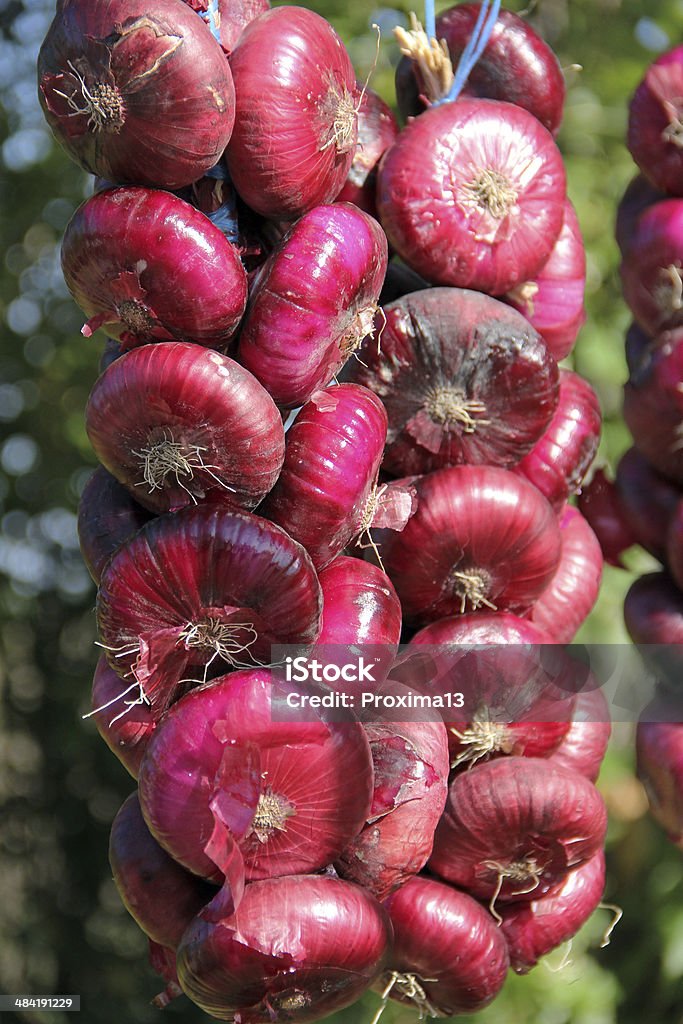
{"points": [[62, 927]]}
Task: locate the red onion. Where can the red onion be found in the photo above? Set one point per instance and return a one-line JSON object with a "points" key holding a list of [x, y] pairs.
{"points": [[410, 762], [655, 125], [553, 301], [637, 347], [647, 501], [231, 18], [516, 65], [513, 828], [200, 585], [559, 460], [161, 895], [599, 504], [297, 949], [314, 301], [121, 249], [125, 726], [651, 274], [377, 129], [295, 120], [107, 516], [638, 196], [305, 785], [567, 601], [472, 194], [324, 496], [659, 764], [583, 747], [653, 406], [360, 605], [534, 929], [122, 87], [178, 424], [463, 379], [674, 545], [481, 537], [448, 956]]}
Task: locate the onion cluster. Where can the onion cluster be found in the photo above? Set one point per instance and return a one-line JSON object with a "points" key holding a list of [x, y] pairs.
{"points": [[303, 444]]}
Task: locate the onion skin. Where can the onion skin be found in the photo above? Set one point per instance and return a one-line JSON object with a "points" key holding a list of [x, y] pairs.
{"points": [[293, 81], [123, 246], [155, 890], [482, 522], [517, 810], [516, 65], [655, 131], [107, 516], [638, 196], [126, 736], [566, 603], [653, 406], [653, 614], [560, 459], [427, 197], [314, 301], [534, 929], [360, 605], [332, 457], [637, 347], [647, 501], [198, 566], [651, 268], [583, 747], [228, 429], [311, 765], [148, 61], [599, 504], [297, 949], [464, 380], [659, 766], [377, 129], [450, 943]]}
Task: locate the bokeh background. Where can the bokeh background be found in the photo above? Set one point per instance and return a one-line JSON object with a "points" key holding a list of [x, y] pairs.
{"points": [[62, 926]]}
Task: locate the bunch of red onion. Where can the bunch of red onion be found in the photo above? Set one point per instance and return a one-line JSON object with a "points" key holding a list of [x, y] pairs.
{"points": [[286, 461]]}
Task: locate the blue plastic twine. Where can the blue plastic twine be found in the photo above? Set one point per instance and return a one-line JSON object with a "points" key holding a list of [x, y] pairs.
{"points": [[225, 217], [213, 20], [476, 44]]}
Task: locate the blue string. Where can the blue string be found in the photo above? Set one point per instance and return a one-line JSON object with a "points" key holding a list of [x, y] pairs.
{"points": [[225, 217], [430, 19], [213, 20], [476, 44]]}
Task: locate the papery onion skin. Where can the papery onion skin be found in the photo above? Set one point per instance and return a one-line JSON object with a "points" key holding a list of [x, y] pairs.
{"points": [[567, 601], [559, 460], [297, 949], [599, 504], [463, 379], [517, 811], [295, 122], [161, 895], [126, 729], [314, 301], [360, 604], [651, 269], [200, 568], [659, 766], [314, 777], [516, 65], [332, 457], [472, 194], [584, 745], [647, 501], [450, 943], [480, 537], [123, 246], [107, 516], [178, 424], [132, 75], [534, 929], [653, 406], [655, 128], [377, 129]]}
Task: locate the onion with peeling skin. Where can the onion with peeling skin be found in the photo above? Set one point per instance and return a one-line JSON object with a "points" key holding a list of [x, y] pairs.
{"points": [[126, 727], [653, 406], [651, 270], [107, 516], [179, 424], [637, 347], [647, 501], [583, 747], [655, 124], [377, 129], [360, 605], [637, 197], [314, 301], [463, 379], [123, 246], [297, 949]]}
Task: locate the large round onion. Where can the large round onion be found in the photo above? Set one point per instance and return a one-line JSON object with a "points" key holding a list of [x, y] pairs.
{"points": [[655, 125]]}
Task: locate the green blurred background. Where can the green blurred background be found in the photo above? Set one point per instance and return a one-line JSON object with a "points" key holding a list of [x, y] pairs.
{"points": [[62, 926]]}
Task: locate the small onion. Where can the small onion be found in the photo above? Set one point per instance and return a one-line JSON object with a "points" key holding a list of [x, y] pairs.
{"points": [[125, 729], [583, 747], [653, 406], [600, 506], [651, 274], [107, 516], [637, 197], [655, 124], [647, 501], [659, 764], [377, 129]]}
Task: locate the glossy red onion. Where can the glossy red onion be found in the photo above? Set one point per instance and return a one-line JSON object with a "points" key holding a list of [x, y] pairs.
{"points": [[651, 274], [178, 424], [121, 249], [472, 194], [297, 949], [377, 129], [360, 605], [295, 127], [126, 728], [655, 123], [448, 957], [481, 538], [637, 197], [201, 585], [124, 86], [513, 828], [647, 501], [107, 516], [314, 301], [600, 505], [653, 406], [463, 379], [659, 765], [653, 614], [583, 747]]}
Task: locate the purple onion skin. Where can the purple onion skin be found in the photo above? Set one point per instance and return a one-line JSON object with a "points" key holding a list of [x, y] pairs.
{"points": [[651, 269], [647, 501], [534, 929], [653, 406], [600, 506], [126, 736], [583, 748], [400, 280], [332, 458], [516, 65], [655, 129], [464, 379], [659, 765], [639, 195], [314, 301], [377, 129], [161, 896], [360, 604], [449, 943], [123, 246], [146, 61], [297, 949], [653, 613], [107, 516]]}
